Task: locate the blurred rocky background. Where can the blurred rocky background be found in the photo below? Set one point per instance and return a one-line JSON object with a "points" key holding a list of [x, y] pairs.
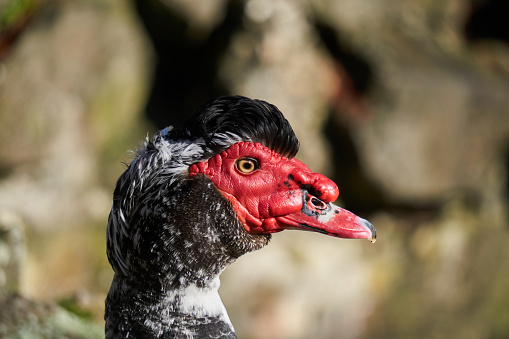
{"points": [[405, 104]]}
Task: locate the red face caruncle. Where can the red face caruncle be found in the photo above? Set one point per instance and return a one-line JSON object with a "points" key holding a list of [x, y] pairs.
{"points": [[271, 193]]}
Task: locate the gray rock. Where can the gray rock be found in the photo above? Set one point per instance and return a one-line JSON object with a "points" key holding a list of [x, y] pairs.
{"points": [[12, 250], [437, 115], [77, 69]]}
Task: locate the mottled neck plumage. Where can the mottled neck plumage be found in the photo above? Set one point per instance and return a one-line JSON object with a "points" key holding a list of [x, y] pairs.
{"points": [[182, 244]]}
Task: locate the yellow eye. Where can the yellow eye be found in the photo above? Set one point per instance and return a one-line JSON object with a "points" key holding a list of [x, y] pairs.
{"points": [[247, 165]]}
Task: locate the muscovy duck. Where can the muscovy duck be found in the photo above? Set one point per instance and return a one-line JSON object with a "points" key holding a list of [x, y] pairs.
{"points": [[195, 199]]}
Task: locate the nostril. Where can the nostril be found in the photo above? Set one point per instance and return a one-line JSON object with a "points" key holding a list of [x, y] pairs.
{"points": [[317, 203]]}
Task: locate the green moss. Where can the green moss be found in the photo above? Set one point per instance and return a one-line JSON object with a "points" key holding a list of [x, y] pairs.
{"points": [[71, 326], [13, 11], [22, 318], [72, 306]]}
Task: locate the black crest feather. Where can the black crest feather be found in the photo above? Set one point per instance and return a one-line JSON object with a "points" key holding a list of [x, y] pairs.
{"points": [[249, 119]]}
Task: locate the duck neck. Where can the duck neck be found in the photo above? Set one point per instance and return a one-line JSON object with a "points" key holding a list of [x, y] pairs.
{"points": [[193, 310]]}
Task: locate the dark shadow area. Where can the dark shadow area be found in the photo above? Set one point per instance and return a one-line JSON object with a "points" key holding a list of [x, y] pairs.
{"points": [[357, 68], [357, 192], [488, 19], [5, 170], [185, 75], [506, 167]]}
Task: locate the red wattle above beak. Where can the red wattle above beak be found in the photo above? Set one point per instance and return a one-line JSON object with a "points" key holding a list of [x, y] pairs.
{"points": [[327, 218]]}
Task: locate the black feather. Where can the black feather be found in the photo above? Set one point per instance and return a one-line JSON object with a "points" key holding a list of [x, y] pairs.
{"points": [[249, 119]]}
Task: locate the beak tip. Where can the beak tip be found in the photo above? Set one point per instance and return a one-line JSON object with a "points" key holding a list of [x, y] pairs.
{"points": [[366, 224]]}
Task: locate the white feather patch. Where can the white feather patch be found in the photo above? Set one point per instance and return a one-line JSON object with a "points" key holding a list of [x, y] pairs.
{"points": [[202, 302]]}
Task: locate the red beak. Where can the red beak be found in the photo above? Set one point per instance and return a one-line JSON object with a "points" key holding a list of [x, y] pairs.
{"points": [[327, 218]]}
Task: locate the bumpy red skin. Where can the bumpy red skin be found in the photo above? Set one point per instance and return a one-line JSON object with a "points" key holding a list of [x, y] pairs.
{"points": [[270, 199]]}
